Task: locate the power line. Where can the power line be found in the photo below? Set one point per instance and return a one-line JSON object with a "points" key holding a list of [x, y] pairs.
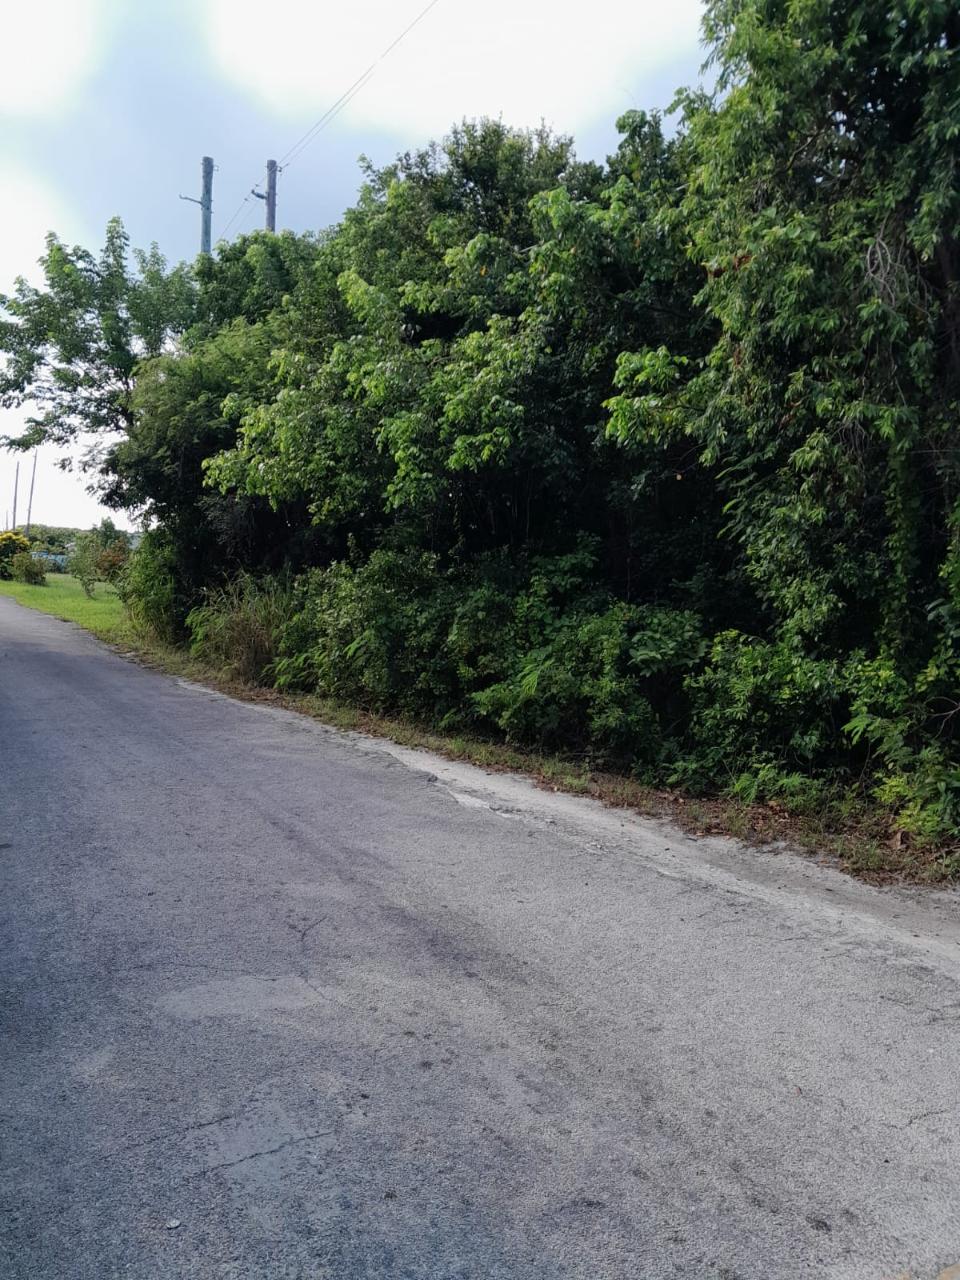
{"points": [[234, 217], [351, 92], [329, 119], [327, 116], [242, 212], [335, 108], [247, 216]]}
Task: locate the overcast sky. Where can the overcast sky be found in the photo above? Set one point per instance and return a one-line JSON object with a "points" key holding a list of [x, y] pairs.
{"points": [[106, 107]]}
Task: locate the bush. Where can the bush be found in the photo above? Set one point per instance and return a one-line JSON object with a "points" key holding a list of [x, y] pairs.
{"points": [[763, 709], [530, 651], [149, 588], [100, 555], [599, 680], [913, 774], [770, 721], [12, 544], [376, 634], [111, 561], [28, 568], [239, 626]]}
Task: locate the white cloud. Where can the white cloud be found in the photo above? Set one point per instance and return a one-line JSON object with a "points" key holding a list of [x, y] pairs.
{"points": [[564, 61], [49, 49], [31, 209]]}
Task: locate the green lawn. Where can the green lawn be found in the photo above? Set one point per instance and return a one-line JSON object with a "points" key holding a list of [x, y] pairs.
{"points": [[63, 596]]}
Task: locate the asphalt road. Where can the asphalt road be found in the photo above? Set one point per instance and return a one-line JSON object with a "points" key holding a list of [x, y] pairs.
{"points": [[283, 1002]]}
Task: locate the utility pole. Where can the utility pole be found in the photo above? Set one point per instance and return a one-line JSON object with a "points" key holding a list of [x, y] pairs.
{"points": [[33, 476], [206, 204], [271, 196], [16, 486]]}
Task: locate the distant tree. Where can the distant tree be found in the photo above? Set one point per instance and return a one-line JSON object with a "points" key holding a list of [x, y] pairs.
{"points": [[82, 561], [108, 535], [71, 347], [112, 561], [100, 555], [52, 538]]}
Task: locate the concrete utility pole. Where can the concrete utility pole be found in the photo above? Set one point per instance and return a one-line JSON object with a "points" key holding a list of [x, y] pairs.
{"points": [[271, 196], [33, 476], [206, 204], [16, 486]]}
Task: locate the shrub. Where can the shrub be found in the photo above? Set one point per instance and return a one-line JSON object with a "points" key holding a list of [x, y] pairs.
{"points": [[378, 633], [913, 774], [598, 680], [12, 543], [148, 587], [111, 561], [28, 568], [764, 709], [531, 651], [99, 555]]}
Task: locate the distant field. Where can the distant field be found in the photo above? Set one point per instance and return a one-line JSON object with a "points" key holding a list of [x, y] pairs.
{"points": [[63, 596]]}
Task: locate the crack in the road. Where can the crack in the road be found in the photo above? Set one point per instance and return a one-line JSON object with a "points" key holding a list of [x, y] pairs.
{"points": [[303, 972], [250, 1100], [257, 1155], [302, 933], [926, 1115], [309, 927], [916, 1118]]}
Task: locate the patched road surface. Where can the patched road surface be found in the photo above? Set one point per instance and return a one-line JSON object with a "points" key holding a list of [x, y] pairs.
{"points": [[283, 1002]]}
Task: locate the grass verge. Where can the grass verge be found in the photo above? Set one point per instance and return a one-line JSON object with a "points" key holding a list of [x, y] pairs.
{"points": [[857, 839], [103, 613]]}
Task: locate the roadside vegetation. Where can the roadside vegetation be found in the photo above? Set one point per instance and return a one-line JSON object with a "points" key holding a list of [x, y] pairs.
{"points": [[648, 467]]}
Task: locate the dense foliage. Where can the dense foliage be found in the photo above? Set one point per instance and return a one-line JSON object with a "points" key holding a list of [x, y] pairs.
{"points": [[12, 544], [654, 462]]}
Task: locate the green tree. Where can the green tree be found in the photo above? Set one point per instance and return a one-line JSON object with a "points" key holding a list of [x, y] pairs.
{"points": [[71, 347], [825, 213], [654, 461], [186, 406], [82, 561], [52, 538]]}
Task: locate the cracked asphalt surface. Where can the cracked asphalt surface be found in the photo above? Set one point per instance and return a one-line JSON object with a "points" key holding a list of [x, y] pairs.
{"points": [[283, 1002]]}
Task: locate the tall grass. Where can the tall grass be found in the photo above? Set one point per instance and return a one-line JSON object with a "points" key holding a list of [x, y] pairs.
{"points": [[238, 627]]}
